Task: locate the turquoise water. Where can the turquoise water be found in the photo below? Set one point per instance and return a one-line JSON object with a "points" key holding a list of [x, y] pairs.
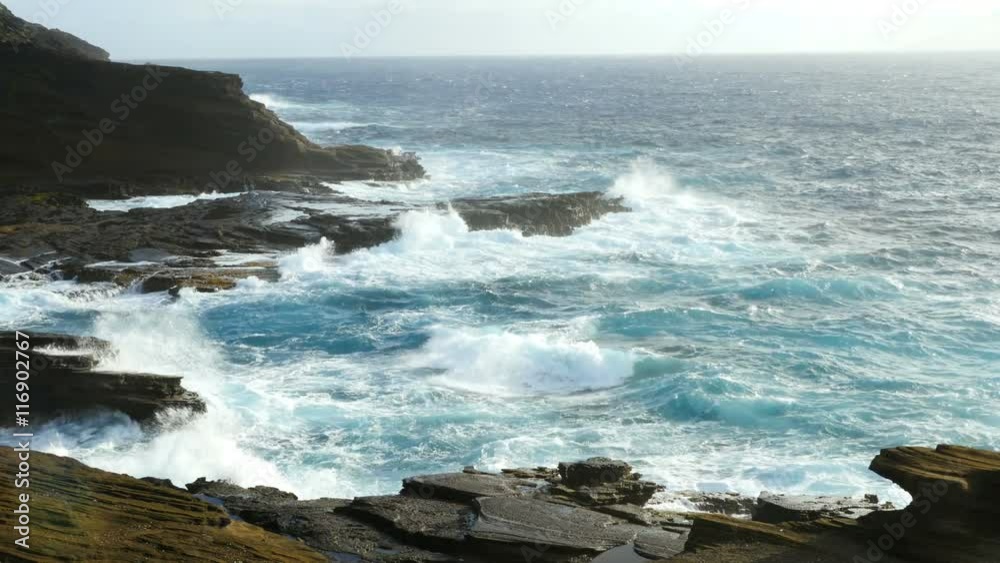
{"points": [[810, 274]]}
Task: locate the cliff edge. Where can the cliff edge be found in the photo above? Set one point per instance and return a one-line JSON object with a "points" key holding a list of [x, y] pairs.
{"points": [[105, 129]]}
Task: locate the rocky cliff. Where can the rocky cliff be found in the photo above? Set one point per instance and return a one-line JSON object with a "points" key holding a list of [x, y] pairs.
{"points": [[16, 33], [105, 129]]}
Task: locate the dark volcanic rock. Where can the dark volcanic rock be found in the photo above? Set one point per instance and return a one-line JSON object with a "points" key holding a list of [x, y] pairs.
{"points": [[521, 521], [776, 508], [594, 471], [59, 232], [602, 481], [424, 522], [730, 504], [466, 487], [17, 34], [8, 268], [150, 129], [325, 524], [536, 214], [62, 383]]}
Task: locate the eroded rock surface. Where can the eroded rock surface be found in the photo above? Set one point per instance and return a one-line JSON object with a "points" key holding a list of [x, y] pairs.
{"points": [[63, 381], [172, 130], [775, 508], [82, 514], [173, 248], [468, 516], [952, 518]]}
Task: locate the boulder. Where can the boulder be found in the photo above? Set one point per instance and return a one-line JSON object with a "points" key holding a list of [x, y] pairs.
{"points": [[594, 471]]}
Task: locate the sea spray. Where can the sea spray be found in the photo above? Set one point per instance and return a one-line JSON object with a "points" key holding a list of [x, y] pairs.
{"points": [[505, 363], [309, 261]]}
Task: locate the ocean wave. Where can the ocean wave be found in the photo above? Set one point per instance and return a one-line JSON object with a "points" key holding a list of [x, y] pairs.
{"points": [[317, 126], [497, 362], [274, 101]]}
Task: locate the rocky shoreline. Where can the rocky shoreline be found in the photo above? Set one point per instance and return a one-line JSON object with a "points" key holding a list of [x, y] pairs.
{"points": [[194, 132], [581, 512]]}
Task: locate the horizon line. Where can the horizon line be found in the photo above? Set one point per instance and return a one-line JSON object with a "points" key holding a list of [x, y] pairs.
{"points": [[579, 55]]}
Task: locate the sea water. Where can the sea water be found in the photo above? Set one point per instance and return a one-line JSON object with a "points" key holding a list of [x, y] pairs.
{"points": [[811, 272]]}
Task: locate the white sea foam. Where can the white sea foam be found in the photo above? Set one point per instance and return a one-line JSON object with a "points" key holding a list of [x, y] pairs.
{"points": [[167, 341], [308, 261], [317, 126], [504, 363], [273, 101], [154, 202]]}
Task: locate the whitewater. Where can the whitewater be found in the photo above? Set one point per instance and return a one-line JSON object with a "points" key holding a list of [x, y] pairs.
{"points": [[806, 277]]}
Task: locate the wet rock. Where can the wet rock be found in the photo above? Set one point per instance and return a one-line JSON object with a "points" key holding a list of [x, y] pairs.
{"points": [[205, 281], [467, 487], [731, 504], [777, 508], [8, 268], [63, 383], [659, 544], [536, 213]]}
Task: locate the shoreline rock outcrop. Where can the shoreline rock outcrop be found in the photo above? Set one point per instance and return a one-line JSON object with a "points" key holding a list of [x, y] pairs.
{"points": [[65, 380], [477, 517], [168, 249], [76, 122]]}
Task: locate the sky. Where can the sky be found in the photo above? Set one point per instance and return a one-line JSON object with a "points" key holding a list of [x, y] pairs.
{"points": [[189, 29]]}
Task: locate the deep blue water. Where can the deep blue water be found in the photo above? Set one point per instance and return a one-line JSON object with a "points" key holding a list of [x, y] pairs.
{"points": [[810, 274]]}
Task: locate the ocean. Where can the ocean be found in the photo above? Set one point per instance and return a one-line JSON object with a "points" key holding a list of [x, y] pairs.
{"points": [[811, 272]]}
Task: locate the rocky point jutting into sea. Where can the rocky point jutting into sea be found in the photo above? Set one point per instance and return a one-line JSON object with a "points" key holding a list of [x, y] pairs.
{"points": [[80, 129]]}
